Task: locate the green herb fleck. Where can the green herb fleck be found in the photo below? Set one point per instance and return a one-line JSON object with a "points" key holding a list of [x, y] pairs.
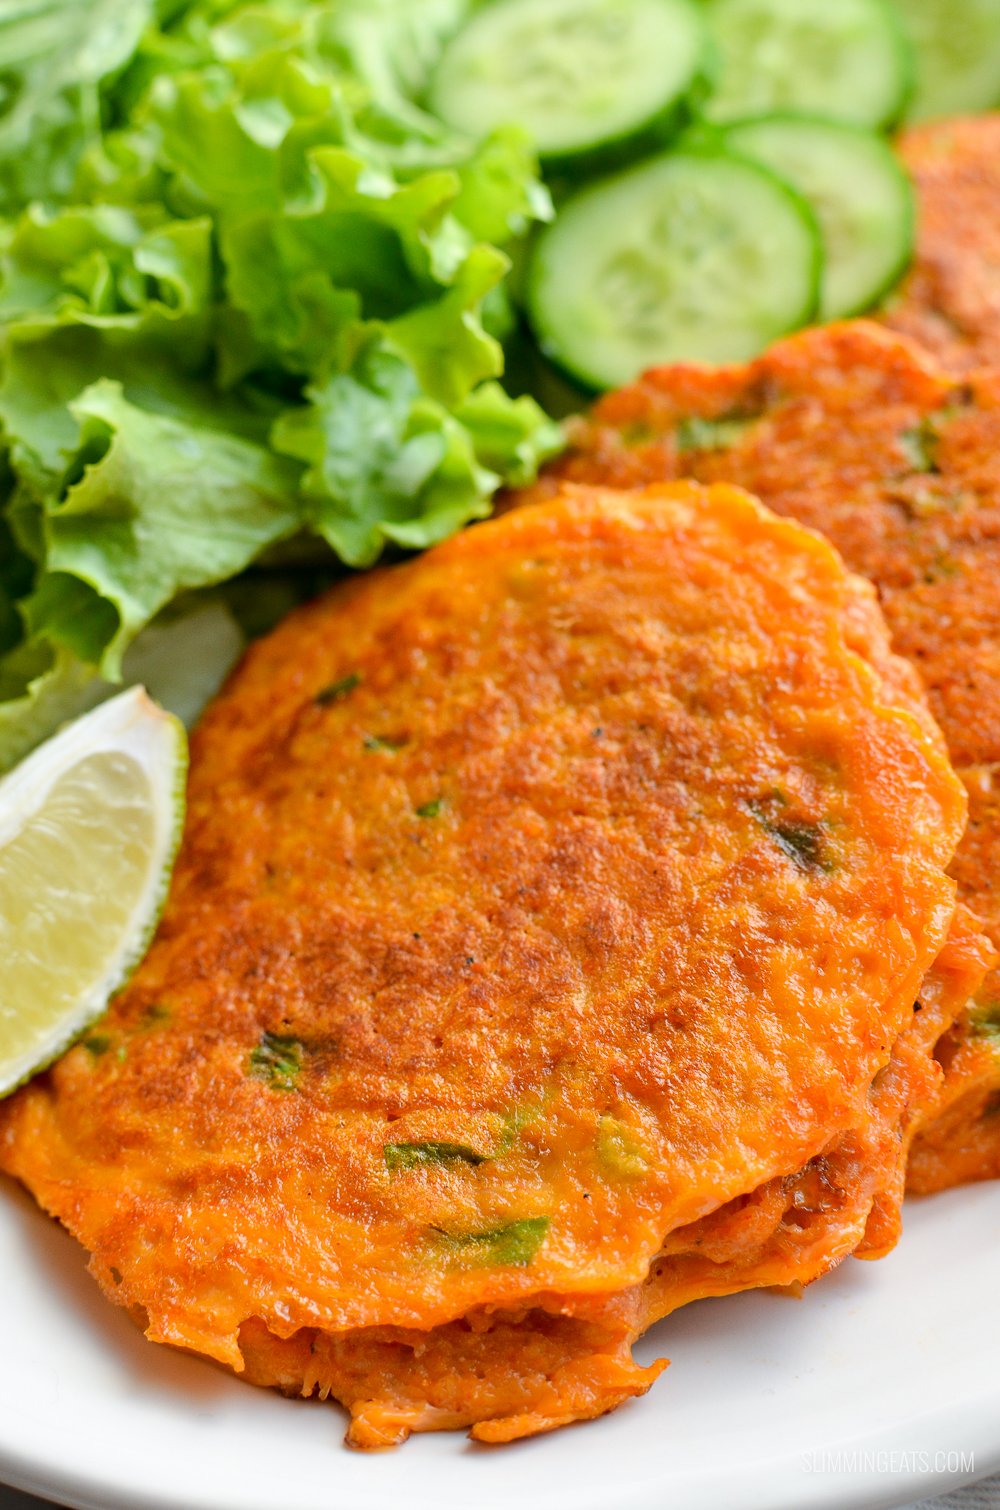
{"points": [[154, 1014], [100, 1044], [984, 1021], [514, 1244], [639, 433], [430, 809], [337, 691], [698, 434], [802, 843], [416, 1155], [277, 1061], [619, 1150], [941, 569], [383, 742], [919, 445]]}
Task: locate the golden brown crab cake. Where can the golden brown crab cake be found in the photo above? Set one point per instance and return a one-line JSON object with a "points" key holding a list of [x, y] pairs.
{"points": [[848, 1199], [515, 1373], [537, 898], [850, 431], [950, 300]]}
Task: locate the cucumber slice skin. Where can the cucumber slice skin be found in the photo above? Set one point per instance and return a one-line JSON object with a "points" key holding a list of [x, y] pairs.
{"points": [[557, 312], [864, 155], [746, 88], [600, 148], [957, 48]]}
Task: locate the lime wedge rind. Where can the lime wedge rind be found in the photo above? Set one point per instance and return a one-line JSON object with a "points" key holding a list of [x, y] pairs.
{"points": [[49, 922]]}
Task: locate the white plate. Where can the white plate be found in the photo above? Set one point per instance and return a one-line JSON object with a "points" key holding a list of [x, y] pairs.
{"points": [[880, 1387]]}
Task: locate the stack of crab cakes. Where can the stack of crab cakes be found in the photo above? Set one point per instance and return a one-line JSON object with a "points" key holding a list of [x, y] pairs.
{"points": [[562, 931]]}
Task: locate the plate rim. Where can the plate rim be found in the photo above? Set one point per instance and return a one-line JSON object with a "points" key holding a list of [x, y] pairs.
{"points": [[774, 1479]]}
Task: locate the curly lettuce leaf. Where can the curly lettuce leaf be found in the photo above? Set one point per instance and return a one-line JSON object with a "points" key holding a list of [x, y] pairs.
{"points": [[165, 507], [511, 436], [41, 689], [58, 56], [445, 341], [97, 291], [367, 251], [227, 213], [383, 462], [391, 46], [386, 463], [96, 264]]}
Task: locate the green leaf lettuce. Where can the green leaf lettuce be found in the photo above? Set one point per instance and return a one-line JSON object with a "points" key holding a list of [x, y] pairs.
{"points": [[249, 289]]}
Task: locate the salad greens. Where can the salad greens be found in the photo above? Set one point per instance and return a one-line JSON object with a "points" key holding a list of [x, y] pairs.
{"points": [[249, 292]]}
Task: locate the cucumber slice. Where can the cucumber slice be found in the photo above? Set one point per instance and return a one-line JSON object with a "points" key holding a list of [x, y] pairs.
{"points": [[861, 195], [584, 77], [957, 45], [847, 59], [693, 256]]}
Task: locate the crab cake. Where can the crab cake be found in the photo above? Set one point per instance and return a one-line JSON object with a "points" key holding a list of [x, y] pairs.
{"points": [[847, 1199], [848, 430], [950, 300], [538, 898], [513, 1374]]}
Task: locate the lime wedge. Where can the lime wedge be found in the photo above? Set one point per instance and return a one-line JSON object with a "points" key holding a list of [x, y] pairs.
{"points": [[89, 825]]}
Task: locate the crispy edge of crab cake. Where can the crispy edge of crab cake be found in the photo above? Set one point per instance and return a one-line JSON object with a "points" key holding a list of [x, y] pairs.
{"points": [[950, 299], [854, 432], [514, 1373]]}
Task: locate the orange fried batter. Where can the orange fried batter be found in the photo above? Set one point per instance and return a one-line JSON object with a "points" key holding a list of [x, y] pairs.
{"points": [[538, 898], [950, 301], [847, 430], [510, 1374]]}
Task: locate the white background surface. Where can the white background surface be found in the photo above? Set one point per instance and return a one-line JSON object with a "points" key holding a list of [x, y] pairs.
{"points": [[894, 1357], [980, 1497], [984, 1496]]}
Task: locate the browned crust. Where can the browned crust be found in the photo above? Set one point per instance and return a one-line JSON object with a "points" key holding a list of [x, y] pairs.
{"points": [[852, 431], [653, 943], [950, 300]]}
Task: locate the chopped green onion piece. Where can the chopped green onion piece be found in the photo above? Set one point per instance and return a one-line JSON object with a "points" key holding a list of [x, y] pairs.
{"points": [[697, 434], [383, 742], [619, 1151], [416, 1155], [337, 691], [277, 1061], [514, 1244], [919, 445], [802, 843], [984, 1021]]}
